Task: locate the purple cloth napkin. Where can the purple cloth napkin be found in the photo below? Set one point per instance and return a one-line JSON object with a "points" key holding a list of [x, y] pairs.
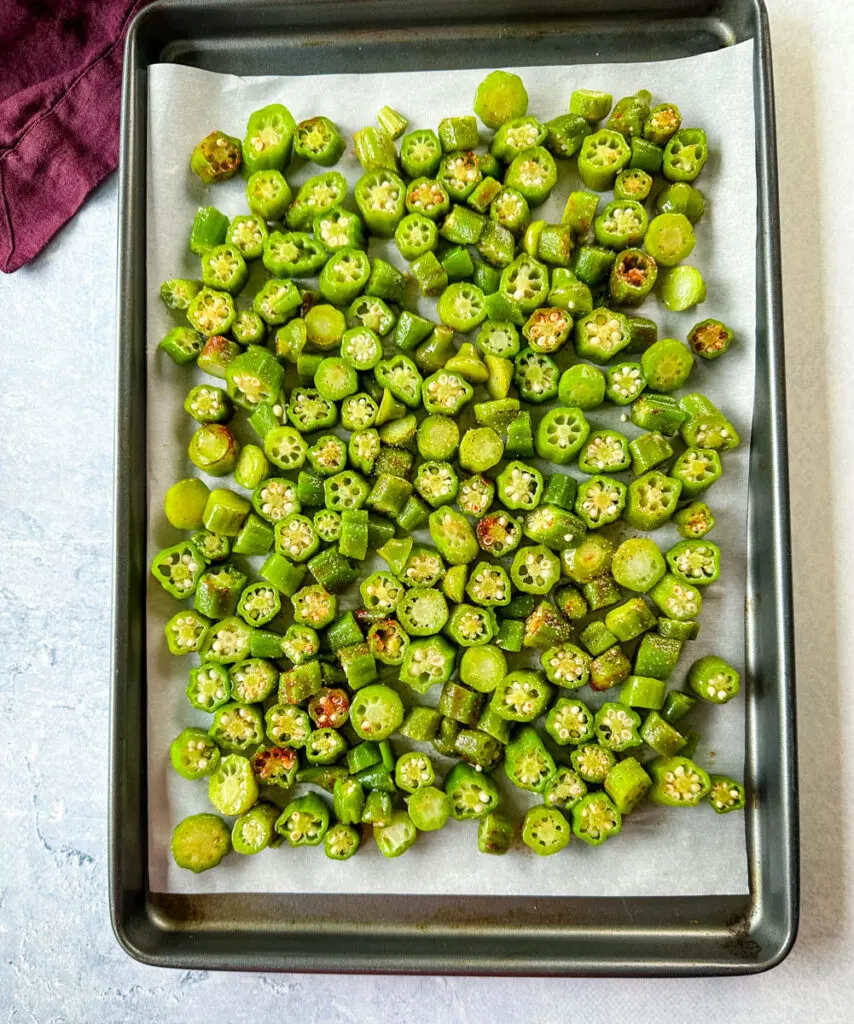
{"points": [[60, 96]]}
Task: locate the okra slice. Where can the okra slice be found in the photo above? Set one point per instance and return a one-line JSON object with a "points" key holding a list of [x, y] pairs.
{"points": [[676, 599], [695, 561], [200, 842], [582, 387], [461, 306], [601, 156], [592, 762], [553, 526], [525, 283], [459, 172], [275, 498], [609, 668], [625, 383], [677, 782], [193, 754], [427, 662], [472, 794], [276, 301], [670, 238], [649, 450], [316, 195], [714, 679], [515, 136], [178, 293], [236, 728], [709, 339], [566, 665], [694, 521], [489, 585], [697, 469], [638, 564], [182, 344], [376, 712], [499, 98], [570, 721], [317, 139], [545, 830], [547, 329], [470, 626], [314, 606], [209, 688], [445, 392], [211, 312], [600, 335], [388, 642], [560, 434], [498, 534], [527, 763], [600, 501], [287, 726], [289, 254], [216, 158], [595, 818], [605, 451], [437, 482], [535, 569], [305, 821], [423, 568], [178, 569], [380, 196], [423, 611], [428, 198], [522, 696], [533, 173], [705, 426], [725, 794], [268, 194], [651, 500]]}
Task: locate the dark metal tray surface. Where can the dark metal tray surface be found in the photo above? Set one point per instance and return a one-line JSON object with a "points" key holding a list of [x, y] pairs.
{"points": [[489, 934]]}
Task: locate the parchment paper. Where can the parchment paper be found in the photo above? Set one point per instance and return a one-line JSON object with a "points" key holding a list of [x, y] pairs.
{"points": [[661, 851]]}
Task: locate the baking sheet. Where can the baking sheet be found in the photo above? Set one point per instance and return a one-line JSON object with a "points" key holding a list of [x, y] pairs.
{"points": [[714, 91]]}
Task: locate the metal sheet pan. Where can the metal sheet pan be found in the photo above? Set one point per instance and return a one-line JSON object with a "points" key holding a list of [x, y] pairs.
{"points": [[560, 936]]}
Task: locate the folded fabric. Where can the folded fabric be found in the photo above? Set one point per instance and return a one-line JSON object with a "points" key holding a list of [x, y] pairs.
{"points": [[60, 97]]}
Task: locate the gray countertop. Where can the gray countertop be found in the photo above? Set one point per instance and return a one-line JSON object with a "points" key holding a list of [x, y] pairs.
{"points": [[58, 959]]}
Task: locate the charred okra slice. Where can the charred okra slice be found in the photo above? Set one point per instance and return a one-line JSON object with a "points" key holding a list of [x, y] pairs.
{"points": [[709, 339], [216, 158], [318, 140], [428, 198], [547, 329], [498, 534], [694, 521], [459, 172]]}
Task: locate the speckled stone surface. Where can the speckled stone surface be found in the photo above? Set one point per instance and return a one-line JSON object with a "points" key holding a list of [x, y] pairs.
{"points": [[59, 961]]}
